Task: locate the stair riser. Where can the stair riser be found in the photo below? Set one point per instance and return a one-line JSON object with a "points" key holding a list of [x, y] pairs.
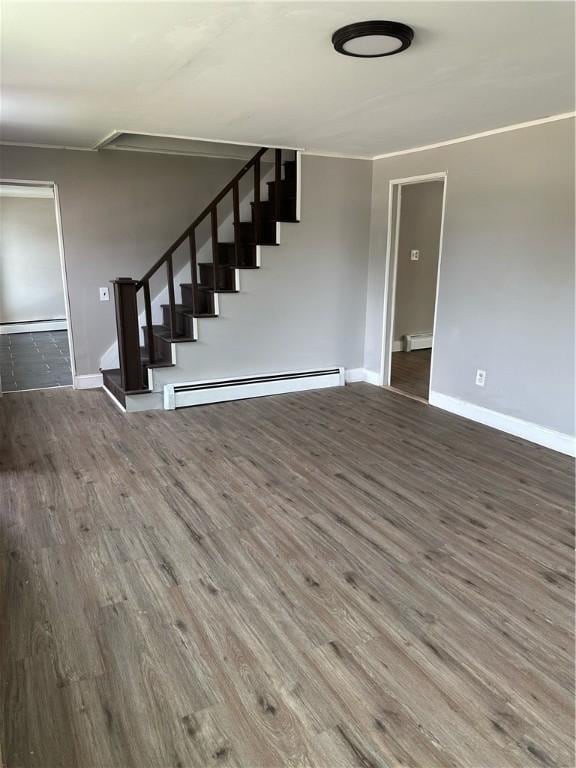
{"points": [[266, 234], [184, 323], [162, 348], [204, 303], [247, 256], [290, 171], [287, 211], [226, 277], [287, 190]]}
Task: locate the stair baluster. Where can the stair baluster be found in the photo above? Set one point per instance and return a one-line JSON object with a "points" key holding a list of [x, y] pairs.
{"points": [[277, 177], [214, 224], [193, 269], [171, 300]]}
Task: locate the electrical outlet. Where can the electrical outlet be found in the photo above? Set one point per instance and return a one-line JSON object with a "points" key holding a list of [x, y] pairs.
{"points": [[414, 255], [104, 294], [480, 377]]}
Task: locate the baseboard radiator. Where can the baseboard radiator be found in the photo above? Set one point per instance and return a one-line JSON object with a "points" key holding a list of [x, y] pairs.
{"points": [[414, 341], [260, 385]]}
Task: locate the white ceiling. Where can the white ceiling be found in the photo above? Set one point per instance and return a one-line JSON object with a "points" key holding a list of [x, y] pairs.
{"points": [[266, 73]]}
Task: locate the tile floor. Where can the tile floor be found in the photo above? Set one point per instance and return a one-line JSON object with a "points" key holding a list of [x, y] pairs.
{"points": [[34, 360]]}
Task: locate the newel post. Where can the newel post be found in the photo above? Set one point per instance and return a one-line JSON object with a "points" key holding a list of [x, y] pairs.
{"points": [[128, 332]]}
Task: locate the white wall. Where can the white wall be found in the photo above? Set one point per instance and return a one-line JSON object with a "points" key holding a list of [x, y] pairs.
{"points": [[506, 299], [30, 274]]}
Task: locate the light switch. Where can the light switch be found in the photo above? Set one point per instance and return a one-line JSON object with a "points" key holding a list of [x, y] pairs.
{"points": [[104, 294], [414, 255]]}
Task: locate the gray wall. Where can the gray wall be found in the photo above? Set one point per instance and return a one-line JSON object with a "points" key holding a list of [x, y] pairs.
{"points": [[420, 223], [120, 210], [506, 297], [30, 275], [306, 306]]}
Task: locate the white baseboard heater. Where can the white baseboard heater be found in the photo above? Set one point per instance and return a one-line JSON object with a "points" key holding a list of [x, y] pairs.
{"points": [[414, 341], [260, 385]]}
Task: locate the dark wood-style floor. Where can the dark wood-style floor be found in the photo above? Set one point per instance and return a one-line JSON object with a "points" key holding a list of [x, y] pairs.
{"points": [[411, 372], [335, 578]]}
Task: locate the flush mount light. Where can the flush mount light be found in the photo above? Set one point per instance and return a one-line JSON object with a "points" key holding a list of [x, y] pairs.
{"points": [[370, 39]]}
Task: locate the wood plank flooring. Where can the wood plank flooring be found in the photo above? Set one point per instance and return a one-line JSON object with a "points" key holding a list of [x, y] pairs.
{"points": [[410, 372], [331, 579]]}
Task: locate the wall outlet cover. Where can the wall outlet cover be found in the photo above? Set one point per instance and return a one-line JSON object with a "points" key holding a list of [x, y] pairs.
{"points": [[104, 294], [480, 377], [414, 255]]}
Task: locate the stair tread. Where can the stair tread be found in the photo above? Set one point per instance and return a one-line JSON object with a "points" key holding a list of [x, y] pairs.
{"points": [[218, 290], [162, 332], [158, 364], [185, 309]]}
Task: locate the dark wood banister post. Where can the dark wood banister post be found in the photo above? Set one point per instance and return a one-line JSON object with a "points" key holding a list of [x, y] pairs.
{"points": [[193, 270], [128, 333]]}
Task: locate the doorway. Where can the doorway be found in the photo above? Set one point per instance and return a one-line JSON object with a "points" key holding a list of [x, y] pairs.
{"points": [[35, 338], [416, 217]]}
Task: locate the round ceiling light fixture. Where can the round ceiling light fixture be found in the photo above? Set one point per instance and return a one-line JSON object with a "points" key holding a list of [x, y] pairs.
{"points": [[371, 39]]}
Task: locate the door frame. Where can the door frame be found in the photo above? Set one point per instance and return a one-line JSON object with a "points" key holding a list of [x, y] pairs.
{"points": [[392, 242], [55, 196]]}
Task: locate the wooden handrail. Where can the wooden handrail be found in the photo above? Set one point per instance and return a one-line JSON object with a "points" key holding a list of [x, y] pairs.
{"points": [[220, 196]]}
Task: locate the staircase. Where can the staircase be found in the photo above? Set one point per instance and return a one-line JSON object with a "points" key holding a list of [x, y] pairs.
{"points": [[199, 297]]}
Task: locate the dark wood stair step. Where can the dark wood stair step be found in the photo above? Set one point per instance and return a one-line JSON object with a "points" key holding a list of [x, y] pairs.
{"points": [[265, 236], [286, 213], [246, 256], [163, 334], [290, 170], [112, 380], [226, 278], [204, 303], [287, 190]]}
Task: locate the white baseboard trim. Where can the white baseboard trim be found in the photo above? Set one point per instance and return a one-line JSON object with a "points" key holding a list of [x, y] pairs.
{"points": [[352, 375], [398, 346], [192, 393], [534, 433], [116, 403], [34, 327], [372, 377], [88, 381]]}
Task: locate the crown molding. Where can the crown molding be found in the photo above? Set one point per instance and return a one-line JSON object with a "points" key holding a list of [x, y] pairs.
{"points": [[481, 135], [109, 138], [337, 155]]}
